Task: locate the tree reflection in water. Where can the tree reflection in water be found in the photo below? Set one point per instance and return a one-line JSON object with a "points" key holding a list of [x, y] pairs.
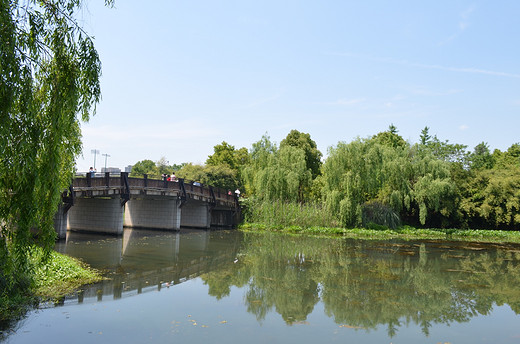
{"points": [[366, 284]]}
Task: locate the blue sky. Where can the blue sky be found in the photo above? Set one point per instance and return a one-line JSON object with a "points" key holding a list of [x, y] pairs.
{"points": [[180, 77]]}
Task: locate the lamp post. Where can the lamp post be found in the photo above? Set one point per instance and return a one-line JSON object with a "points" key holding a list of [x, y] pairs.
{"points": [[95, 152], [106, 156]]}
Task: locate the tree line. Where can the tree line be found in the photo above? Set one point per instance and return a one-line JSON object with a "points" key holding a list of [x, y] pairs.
{"points": [[381, 181]]}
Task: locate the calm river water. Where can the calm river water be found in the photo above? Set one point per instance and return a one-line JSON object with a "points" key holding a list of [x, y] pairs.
{"points": [[231, 287]]}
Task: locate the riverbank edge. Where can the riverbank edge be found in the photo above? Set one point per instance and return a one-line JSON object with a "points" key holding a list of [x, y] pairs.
{"points": [[404, 233], [59, 276], [62, 275]]}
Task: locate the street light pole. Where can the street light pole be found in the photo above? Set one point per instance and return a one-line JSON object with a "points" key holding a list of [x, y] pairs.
{"points": [[106, 156], [95, 152]]}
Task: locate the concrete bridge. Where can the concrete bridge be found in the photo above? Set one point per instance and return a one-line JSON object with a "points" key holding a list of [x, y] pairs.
{"points": [[108, 203]]}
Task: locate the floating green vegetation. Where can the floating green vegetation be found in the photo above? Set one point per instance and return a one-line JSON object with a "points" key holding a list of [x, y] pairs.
{"points": [[404, 232], [60, 275]]}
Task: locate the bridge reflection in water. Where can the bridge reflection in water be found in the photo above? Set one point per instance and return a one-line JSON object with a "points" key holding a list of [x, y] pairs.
{"points": [[144, 260]]}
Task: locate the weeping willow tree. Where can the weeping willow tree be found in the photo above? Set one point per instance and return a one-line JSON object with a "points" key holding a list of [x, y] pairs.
{"points": [[416, 185], [285, 176], [259, 156], [49, 72]]}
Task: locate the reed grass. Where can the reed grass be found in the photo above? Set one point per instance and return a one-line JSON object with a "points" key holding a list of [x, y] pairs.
{"points": [[288, 214]]}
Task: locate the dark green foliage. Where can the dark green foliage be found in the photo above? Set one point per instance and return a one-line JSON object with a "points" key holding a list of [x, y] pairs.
{"points": [[378, 215], [481, 157]]}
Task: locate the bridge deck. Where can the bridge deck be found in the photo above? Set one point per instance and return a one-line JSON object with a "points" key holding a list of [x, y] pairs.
{"points": [[131, 187]]}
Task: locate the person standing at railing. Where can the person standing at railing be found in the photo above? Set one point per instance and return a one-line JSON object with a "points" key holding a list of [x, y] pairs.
{"points": [[173, 178], [92, 172]]}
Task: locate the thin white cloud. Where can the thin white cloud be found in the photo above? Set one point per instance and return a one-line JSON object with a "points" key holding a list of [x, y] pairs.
{"points": [[428, 66], [467, 70], [425, 92], [463, 127], [464, 17], [463, 24], [345, 101]]}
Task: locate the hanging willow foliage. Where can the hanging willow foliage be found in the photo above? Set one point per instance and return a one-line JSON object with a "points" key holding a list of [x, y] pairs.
{"points": [[411, 183], [285, 176], [49, 82]]}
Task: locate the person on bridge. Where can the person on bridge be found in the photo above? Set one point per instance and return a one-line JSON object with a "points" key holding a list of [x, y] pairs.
{"points": [[173, 178], [237, 193]]}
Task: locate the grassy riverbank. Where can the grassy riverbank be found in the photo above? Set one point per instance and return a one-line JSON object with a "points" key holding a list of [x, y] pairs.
{"points": [[48, 280], [61, 275], [404, 232]]}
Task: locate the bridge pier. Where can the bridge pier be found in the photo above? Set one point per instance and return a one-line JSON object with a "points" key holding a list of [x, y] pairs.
{"points": [[196, 214], [153, 214], [222, 218], [60, 222], [102, 215]]}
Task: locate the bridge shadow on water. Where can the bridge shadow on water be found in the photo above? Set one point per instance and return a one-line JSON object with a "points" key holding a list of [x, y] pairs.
{"points": [[145, 260]]}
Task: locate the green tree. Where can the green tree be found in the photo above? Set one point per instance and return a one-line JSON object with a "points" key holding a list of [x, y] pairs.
{"points": [[286, 176], [425, 136], [491, 199], [163, 167], [259, 156], [390, 138], [144, 167], [312, 154], [218, 176], [507, 159], [49, 82], [223, 154], [228, 158], [444, 150], [481, 157], [192, 172], [418, 186]]}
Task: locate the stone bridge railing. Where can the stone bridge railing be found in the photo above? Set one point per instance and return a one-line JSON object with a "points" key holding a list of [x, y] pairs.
{"points": [[110, 185]]}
